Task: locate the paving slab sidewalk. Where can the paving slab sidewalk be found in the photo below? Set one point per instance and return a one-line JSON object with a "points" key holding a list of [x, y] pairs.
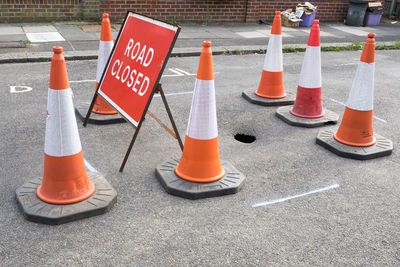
{"points": [[33, 42]]}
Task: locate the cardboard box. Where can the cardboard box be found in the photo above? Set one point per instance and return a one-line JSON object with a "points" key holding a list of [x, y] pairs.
{"points": [[288, 23], [374, 4]]}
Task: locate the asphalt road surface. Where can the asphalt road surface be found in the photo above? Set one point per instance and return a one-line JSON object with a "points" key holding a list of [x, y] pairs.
{"points": [[301, 205]]}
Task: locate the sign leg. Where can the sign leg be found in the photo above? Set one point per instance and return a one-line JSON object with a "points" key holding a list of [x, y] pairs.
{"points": [[170, 116], [130, 146], [90, 109]]}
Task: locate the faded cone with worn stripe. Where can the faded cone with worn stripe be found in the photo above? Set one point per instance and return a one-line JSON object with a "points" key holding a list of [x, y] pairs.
{"points": [[356, 126], [200, 160], [271, 84], [308, 99], [65, 180], [105, 47]]}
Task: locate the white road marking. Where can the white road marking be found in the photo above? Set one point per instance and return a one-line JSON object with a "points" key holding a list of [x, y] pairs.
{"points": [[82, 81], [343, 104], [156, 95], [348, 64], [23, 89], [184, 72], [89, 166], [179, 93], [379, 119], [73, 48], [338, 102], [269, 202], [177, 73]]}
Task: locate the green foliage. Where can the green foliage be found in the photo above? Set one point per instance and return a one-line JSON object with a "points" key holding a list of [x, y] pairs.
{"points": [[46, 20], [292, 49], [206, 19], [173, 21], [356, 45]]}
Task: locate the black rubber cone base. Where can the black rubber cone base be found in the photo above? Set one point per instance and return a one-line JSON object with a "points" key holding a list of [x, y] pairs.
{"points": [[382, 147], [250, 96], [95, 118], [284, 114], [37, 210], [174, 185]]}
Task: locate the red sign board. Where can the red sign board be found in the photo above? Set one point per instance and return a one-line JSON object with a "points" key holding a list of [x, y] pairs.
{"points": [[136, 64]]}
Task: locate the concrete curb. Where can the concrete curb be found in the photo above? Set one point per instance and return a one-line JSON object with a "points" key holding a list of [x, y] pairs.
{"points": [[24, 57]]}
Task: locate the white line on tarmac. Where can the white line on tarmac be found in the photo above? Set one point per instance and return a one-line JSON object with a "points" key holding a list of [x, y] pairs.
{"points": [[177, 73], [269, 202], [89, 166], [343, 104], [73, 48], [184, 72], [349, 64], [170, 94], [336, 101], [180, 93], [82, 81], [379, 119]]}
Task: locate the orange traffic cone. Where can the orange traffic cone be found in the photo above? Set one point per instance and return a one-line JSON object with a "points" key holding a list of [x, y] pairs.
{"points": [[200, 165], [200, 160], [271, 84], [65, 180], [355, 130], [356, 126], [270, 90], [103, 113], [105, 47], [307, 110]]}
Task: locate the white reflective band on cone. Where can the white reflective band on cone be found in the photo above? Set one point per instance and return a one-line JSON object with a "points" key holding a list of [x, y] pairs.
{"points": [[273, 59], [105, 48], [202, 123], [310, 75], [362, 92], [62, 137]]}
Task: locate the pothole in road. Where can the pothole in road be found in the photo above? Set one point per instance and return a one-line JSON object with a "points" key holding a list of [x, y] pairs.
{"points": [[244, 138]]}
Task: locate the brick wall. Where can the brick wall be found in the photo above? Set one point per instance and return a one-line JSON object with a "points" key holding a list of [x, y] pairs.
{"points": [[90, 9], [176, 11], [201, 11], [328, 10], [48, 10], [38, 10], [209, 11]]}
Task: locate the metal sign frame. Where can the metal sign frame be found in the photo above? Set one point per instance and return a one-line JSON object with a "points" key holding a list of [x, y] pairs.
{"points": [[157, 88]]}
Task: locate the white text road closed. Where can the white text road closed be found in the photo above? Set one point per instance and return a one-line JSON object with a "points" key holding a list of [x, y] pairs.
{"points": [[140, 54]]}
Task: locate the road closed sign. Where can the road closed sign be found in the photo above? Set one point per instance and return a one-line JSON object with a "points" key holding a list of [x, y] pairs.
{"points": [[136, 63]]}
